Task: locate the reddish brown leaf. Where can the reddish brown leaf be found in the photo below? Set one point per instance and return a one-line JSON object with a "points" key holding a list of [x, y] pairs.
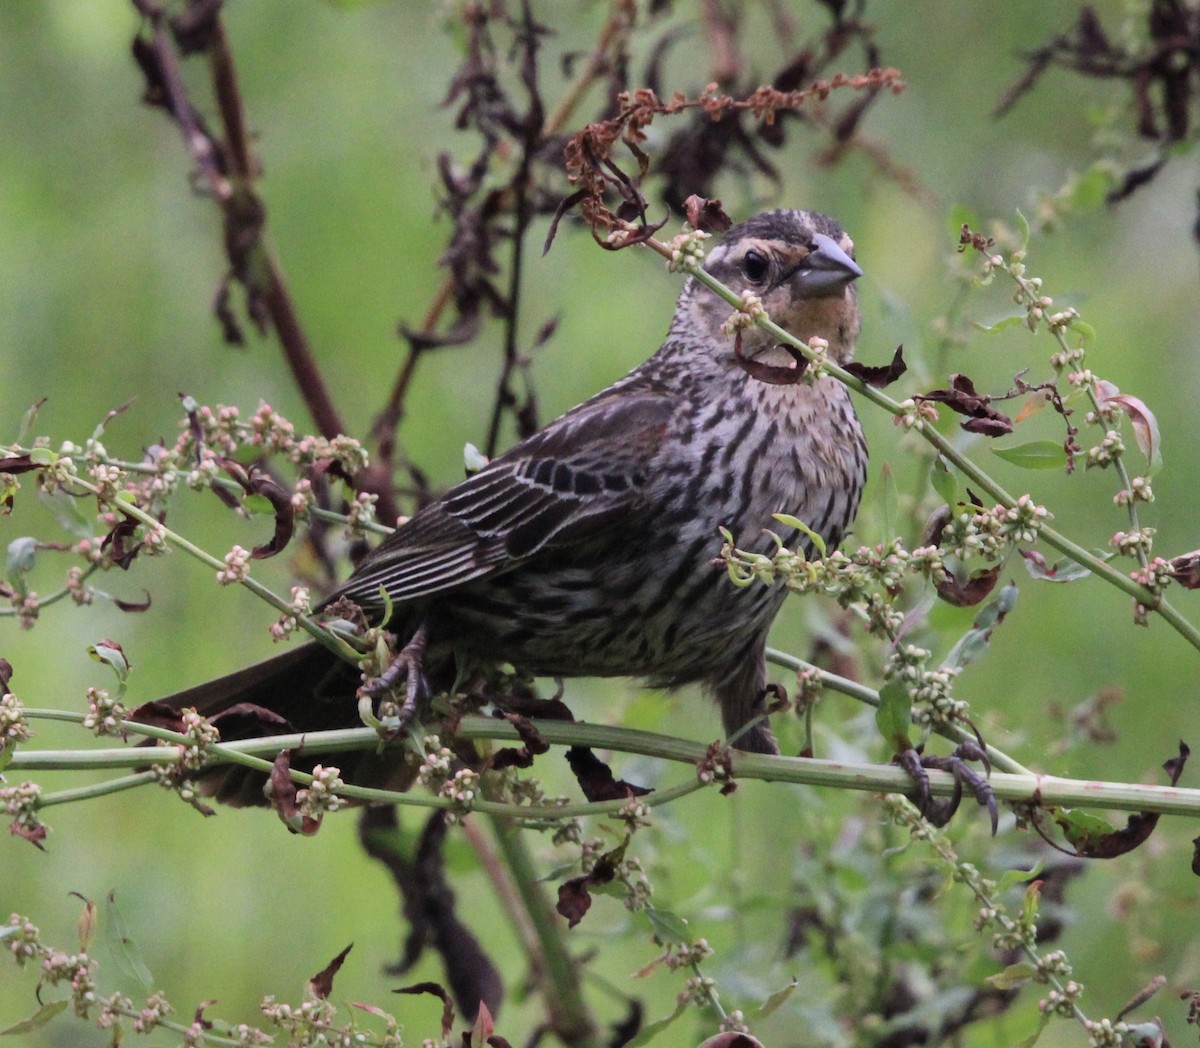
{"points": [[282, 793], [256, 482], [34, 834], [731, 1039], [596, 779], [198, 1015], [1174, 766], [962, 397], [120, 552], [968, 594], [880, 375], [510, 756], [157, 714], [1185, 569], [481, 1030], [321, 984], [995, 425], [574, 900], [772, 374], [132, 605], [437, 991], [15, 464], [706, 215], [1138, 826]]}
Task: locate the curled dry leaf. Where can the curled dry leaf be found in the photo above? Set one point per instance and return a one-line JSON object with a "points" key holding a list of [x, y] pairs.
{"points": [[961, 396], [1141, 419], [321, 984], [880, 375]]}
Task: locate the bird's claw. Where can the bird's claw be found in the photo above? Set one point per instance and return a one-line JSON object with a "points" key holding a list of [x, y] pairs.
{"points": [[939, 812], [407, 666]]}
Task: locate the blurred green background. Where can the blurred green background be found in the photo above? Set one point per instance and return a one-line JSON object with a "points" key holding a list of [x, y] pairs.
{"points": [[108, 263]]}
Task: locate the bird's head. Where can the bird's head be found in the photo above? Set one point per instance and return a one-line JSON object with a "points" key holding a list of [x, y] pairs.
{"points": [[801, 266]]}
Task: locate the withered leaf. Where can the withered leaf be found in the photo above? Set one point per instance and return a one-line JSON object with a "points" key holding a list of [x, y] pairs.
{"points": [[157, 714], [133, 605], [321, 984], [34, 834], [969, 593], [772, 374], [880, 375], [1185, 569], [706, 215], [117, 542], [256, 482], [282, 793], [534, 744], [1138, 827], [596, 779], [962, 397], [439, 992]]}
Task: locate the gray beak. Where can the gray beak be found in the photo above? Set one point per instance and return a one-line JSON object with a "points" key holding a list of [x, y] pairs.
{"points": [[827, 270]]}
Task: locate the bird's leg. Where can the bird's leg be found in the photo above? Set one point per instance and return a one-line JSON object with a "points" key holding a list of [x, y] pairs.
{"points": [[940, 812], [406, 666]]}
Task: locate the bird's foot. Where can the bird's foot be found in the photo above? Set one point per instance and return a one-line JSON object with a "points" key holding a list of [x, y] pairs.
{"points": [[407, 666], [939, 812]]}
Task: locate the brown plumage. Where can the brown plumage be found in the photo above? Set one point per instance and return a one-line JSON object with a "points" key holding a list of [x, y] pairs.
{"points": [[587, 549]]}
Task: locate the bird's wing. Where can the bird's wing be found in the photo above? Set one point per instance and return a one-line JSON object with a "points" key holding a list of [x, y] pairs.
{"points": [[564, 485]]}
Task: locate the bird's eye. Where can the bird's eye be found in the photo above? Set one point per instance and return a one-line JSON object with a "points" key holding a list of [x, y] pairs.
{"points": [[755, 265]]}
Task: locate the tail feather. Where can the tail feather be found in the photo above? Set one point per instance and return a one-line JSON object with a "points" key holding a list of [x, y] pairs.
{"points": [[308, 688]]}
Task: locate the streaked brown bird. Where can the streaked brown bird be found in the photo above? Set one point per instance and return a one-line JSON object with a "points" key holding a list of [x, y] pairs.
{"points": [[587, 549]]}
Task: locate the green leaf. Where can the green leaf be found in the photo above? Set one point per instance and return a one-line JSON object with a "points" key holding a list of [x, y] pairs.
{"points": [[974, 643], [804, 529], [1023, 226], [1060, 571], [27, 422], [1014, 976], [86, 926], [1085, 331], [125, 953], [894, 715], [1037, 454], [1091, 189], [1011, 878], [1082, 829], [1000, 325], [778, 997], [110, 653], [22, 555], [1032, 1039], [670, 928], [652, 1030], [943, 481], [37, 1020], [890, 502]]}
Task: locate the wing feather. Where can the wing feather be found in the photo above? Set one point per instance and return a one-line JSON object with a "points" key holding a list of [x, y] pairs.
{"points": [[582, 474]]}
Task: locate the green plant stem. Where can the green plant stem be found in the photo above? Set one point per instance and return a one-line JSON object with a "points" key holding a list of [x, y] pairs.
{"points": [[569, 1015], [1148, 598], [870, 697], [1026, 788], [310, 625]]}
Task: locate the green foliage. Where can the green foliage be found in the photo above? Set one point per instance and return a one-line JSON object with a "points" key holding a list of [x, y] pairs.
{"points": [[111, 265]]}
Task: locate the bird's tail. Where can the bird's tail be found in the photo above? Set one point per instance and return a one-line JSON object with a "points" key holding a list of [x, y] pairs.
{"points": [[306, 689]]}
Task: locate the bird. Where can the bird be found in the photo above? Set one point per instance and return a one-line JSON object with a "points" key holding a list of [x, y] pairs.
{"points": [[590, 548]]}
